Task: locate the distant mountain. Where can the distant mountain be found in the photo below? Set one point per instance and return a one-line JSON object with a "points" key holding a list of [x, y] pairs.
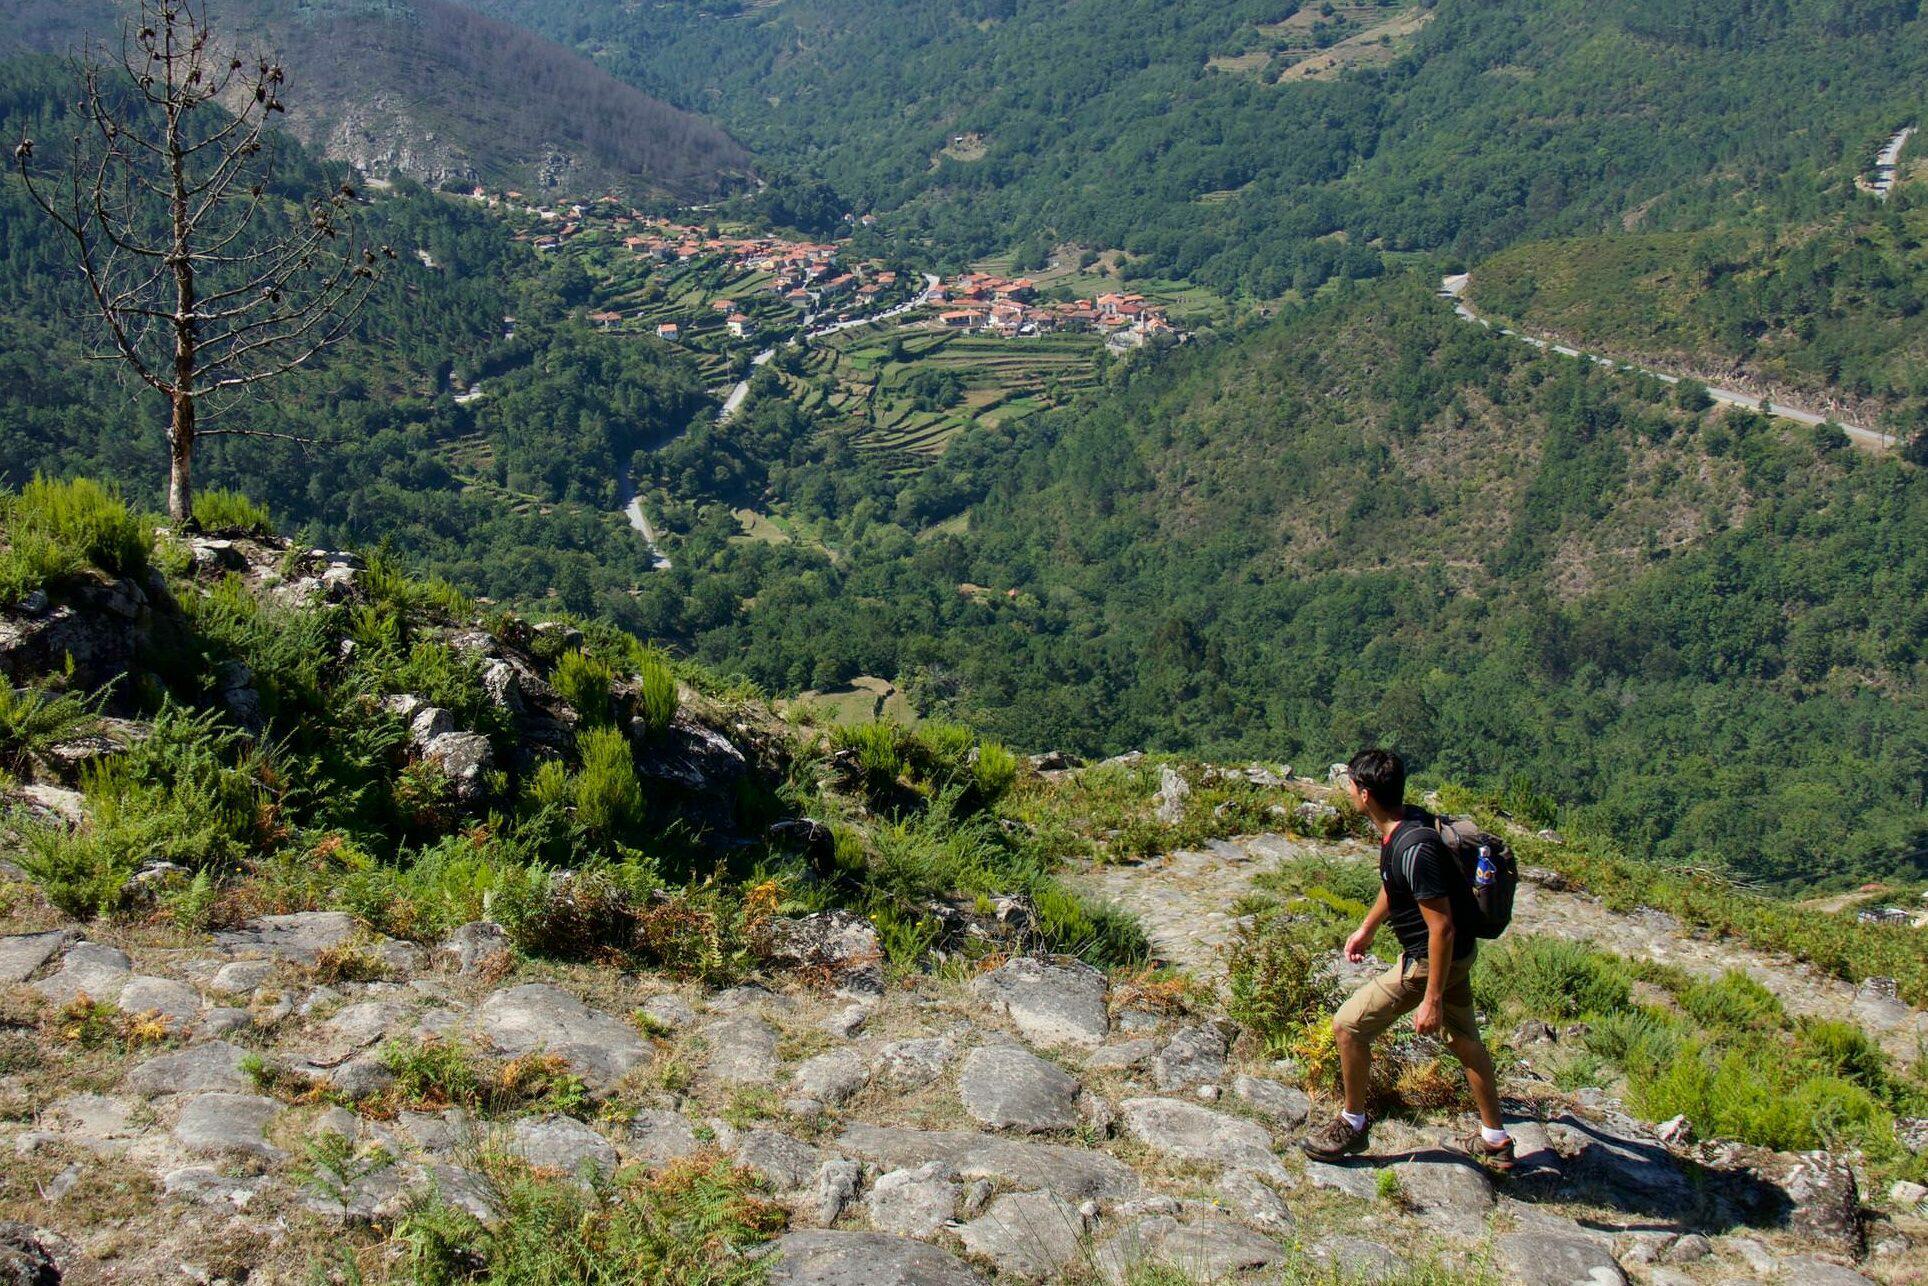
{"points": [[443, 94]]}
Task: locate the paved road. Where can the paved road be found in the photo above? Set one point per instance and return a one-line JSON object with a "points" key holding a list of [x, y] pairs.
{"points": [[1887, 163], [1454, 288]]}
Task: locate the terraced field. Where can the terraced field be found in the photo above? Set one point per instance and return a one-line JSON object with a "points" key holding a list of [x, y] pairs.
{"points": [[866, 377]]}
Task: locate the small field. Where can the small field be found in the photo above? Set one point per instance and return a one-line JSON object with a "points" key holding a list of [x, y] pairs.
{"points": [[865, 699], [1313, 44], [879, 382]]}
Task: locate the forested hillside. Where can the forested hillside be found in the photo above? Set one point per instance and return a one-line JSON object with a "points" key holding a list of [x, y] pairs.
{"points": [[1377, 522], [1171, 129], [512, 495], [441, 94]]}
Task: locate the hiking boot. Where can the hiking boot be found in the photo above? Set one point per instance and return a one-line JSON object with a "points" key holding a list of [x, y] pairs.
{"points": [[1334, 1140], [1494, 1156]]}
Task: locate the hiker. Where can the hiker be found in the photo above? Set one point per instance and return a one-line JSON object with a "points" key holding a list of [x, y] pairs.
{"points": [[1425, 895]]}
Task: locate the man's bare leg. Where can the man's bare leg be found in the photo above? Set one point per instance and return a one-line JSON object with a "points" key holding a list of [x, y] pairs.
{"points": [[1355, 1069], [1479, 1077]]}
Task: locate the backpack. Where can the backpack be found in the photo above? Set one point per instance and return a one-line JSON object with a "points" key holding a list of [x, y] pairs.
{"points": [[1493, 901]]}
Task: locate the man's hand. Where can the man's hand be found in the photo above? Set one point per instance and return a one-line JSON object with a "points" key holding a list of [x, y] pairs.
{"points": [[1430, 1018], [1359, 943]]}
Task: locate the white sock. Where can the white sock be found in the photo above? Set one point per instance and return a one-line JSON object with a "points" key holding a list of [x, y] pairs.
{"points": [[1494, 1137], [1357, 1120]]}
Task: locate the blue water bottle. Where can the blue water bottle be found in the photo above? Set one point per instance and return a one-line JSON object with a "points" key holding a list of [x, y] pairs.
{"points": [[1486, 872]]}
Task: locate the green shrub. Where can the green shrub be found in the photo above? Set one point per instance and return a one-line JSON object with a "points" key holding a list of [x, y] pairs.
{"points": [[586, 683], [218, 509], [656, 695], [1741, 1094], [81, 516], [608, 794], [38, 716], [1273, 979], [689, 1222], [879, 748], [1550, 978], [1636, 1037], [1733, 1002], [994, 772], [190, 793], [1841, 1049], [1097, 933]]}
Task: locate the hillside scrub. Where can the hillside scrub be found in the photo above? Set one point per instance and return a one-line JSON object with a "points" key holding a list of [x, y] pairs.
{"points": [[294, 752]]}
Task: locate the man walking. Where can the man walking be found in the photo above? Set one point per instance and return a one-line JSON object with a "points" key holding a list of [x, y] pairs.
{"points": [[1426, 898]]}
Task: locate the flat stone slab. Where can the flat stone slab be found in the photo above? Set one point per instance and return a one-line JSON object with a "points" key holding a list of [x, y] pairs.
{"points": [[915, 1202], [1209, 1250], [1284, 1104], [1009, 1088], [1052, 1005], [1072, 1173], [561, 1143], [913, 1064], [658, 1136], [22, 953], [832, 1078], [300, 937], [228, 1123], [213, 1065], [1028, 1235], [1449, 1187], [1549, 1259], [828, 1258], [598, 1047], [786, 1164], [1188, 1132], [743, 1050], [177, 1002], [1192, 1056], [91, 969]]}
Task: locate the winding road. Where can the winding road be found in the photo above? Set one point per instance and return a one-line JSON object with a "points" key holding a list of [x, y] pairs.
{"points": [[633, 503], [1454, 288]]}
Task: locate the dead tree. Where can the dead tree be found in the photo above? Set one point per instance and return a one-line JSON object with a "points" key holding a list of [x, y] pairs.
{"points": [[207, 282]]}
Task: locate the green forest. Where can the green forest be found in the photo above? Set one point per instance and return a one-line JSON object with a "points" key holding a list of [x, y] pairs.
{"points": [[1697, 633]]}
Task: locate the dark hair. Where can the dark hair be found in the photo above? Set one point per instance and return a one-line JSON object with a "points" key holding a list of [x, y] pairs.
{"points": [[1382, 775]]}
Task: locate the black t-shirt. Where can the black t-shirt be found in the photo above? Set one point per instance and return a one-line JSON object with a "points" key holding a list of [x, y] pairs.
{"points": [[1414, 865]]}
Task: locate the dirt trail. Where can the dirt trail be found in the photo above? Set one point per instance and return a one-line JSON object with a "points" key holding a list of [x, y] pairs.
{"points": [[1185, 902]]}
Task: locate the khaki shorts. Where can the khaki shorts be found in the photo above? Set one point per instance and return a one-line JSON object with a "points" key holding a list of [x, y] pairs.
{"points": [[1378, 1004]]}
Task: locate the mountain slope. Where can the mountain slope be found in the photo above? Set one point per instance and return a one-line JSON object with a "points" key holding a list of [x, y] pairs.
{"points": [[442, 94], [1144, 124]]}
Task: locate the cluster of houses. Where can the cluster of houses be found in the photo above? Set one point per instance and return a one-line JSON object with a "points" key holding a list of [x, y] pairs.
{"points": [[980, 301]]}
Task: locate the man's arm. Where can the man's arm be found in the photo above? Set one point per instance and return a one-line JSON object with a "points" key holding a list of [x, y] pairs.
{"points": [[1438, 913], [1361, 939]]}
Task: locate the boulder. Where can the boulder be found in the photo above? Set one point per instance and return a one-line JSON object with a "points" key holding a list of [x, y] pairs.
{"points": [[1027, 1235], [472, 946], [22, 953], [1630, 1171], [830, 1258], [228, 1123], [669, 1011], [465, 759], [213, 1065], [832, 1078], [25, 1257], [1453, 1190], [915, 1202], [1006, 1087], [1253, 1201], [1073, 1173], [1285, 1105], [598, 1047], [1807, 1270], [911, 1064], [1125, 1056], [427, 723], [240, 977], [689, 755], [835, 1186], [1354, 1259], [658, 1136], [1215, 1250], [1535, 1258], [784, 1163], [174, 1001], [304, 935], [1193, 1055], [1173, 791], [1052, 1005], [563, 1144], [91, 969], [742, 1050], [1826, 1204], [842, 946], [1188, 1132]]}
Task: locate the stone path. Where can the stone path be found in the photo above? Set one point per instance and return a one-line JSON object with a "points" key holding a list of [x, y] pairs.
{"points": [[1185, 902]]}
